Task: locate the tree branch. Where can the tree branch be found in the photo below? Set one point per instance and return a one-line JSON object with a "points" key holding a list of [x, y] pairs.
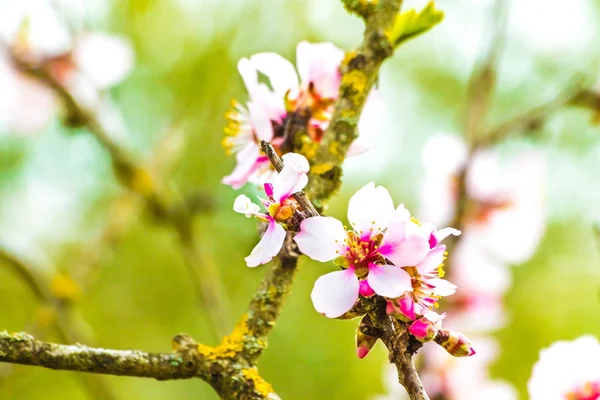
{"points": [[573, 94], [400, 345], [483, 78], [184, 363], [230, 366], [67, 331], [360, 70]]}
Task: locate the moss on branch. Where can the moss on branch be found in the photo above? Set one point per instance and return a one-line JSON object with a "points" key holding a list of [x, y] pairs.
{"points": [[360, 70]]}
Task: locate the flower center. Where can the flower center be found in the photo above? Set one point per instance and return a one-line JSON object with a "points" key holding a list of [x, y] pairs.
{"points": [[587, 391], [360, 253]]}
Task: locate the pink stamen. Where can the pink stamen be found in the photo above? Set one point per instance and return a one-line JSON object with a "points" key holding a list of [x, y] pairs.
{"points": [[268, 189]]}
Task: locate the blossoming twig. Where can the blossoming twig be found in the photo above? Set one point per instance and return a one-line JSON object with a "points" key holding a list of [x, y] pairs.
{"points": [[300, 197], [207, 284], [400, 345], [360, 70], [230, 366]]}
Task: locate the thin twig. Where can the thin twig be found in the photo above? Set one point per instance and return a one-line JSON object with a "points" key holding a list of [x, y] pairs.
{"points": [[572, 94], [401, 347], [483, 78], [300, 197]]}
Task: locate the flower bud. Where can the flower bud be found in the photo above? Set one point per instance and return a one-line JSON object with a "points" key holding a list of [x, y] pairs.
{"points": [[401, 308], [455, 343], [423, 329], [366, 336]]}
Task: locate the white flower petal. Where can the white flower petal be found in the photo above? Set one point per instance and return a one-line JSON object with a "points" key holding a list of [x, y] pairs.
{"points": [[335, 293], [442, 287], [389, 280], [244, 205], [104, 60], [370, 209], [321, 238], [445, 232], [268, 247], [407, 252], [319, 63], [261, 122], [292, 177], [370, 124], [432, 261], [281, 72], [249, 75], [247, 163]]}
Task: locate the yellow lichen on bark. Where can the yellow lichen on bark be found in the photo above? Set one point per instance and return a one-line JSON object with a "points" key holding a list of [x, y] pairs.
{"points": [[260, 385], [320, 169], [354, 82], [230, 346]]}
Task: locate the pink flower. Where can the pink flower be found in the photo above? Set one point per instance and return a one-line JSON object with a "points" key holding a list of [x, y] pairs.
{"points": [[382, 241], [443, 157], [567, 370], [507, 195], [502, 193], [426, 279], [307, 93], [280, 208], [464, 378], [84, 64], [483, 281]]}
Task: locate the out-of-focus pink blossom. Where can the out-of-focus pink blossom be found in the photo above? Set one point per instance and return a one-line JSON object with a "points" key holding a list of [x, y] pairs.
{"points": [[85, 65], [506, 196], [567, 370], [464, 378], [279, 205], [304, 94], [380, 234]]}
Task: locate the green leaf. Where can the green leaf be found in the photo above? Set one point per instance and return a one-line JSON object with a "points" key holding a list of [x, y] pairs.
{"points": [[411, 24]]}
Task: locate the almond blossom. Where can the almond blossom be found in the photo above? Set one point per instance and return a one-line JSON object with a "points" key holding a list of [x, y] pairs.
{"points": [[279, 205], [426, 280], [372, 254], [296, 96], [502, 193], [465, 379], [567, 370], [84, 64]]}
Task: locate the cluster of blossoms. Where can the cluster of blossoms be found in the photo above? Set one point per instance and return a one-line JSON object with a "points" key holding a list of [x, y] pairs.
{"points": [[304, 98], [500, 197], [386, 253], [567, 370], [85, 64]]}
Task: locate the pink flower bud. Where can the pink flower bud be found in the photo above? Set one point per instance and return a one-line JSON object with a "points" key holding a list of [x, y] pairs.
{"points": [[455, 343], [402, 308], [366, 337], [423, 329]]}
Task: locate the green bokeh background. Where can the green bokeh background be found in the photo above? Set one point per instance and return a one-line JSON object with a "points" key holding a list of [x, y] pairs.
{"points": [[56, 188]]}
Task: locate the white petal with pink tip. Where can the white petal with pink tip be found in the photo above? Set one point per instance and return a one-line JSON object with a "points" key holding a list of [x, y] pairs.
{"points": [[268, 247]]}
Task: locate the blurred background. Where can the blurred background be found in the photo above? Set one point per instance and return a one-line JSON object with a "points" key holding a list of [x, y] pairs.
{"points": [[63, 211]]}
